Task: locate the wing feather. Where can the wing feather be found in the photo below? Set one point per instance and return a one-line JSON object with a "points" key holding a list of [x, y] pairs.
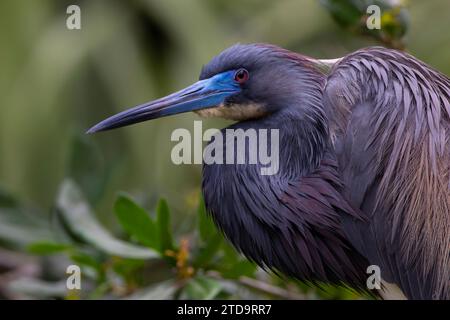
{"points": [[390, 125]]}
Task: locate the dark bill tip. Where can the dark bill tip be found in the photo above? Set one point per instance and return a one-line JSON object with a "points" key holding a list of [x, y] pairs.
{"points": [[202, 94]]}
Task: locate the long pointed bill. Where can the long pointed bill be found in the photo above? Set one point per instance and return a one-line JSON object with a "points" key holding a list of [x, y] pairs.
{"points": [[202, 94]]}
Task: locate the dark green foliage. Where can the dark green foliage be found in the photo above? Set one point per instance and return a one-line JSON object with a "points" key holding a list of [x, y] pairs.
{"points": [[163, 228], [203, 267], [137, 222], [352, 15], [199, 265]]}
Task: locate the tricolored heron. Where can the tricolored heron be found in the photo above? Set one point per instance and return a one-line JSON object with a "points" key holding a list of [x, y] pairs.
{"points": [[364, 164]]}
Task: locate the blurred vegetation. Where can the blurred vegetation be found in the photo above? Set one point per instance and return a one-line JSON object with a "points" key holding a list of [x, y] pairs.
{"points": [[59, 200], [145, 260], [353, 16]]}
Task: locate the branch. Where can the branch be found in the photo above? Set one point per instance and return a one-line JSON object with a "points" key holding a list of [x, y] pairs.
{"points": [[263, 287]]}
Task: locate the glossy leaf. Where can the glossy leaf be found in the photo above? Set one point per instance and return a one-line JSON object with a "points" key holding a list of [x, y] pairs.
{"points": [[47, 248], [136, 222], [86, 260], [163, 226], [80, 219]]}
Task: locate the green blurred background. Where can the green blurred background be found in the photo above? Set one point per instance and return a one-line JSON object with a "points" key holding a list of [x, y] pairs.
{"points": [[55, 83]]}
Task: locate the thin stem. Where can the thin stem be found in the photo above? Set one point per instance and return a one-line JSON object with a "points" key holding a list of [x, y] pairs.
{"points": [[263, 287]]}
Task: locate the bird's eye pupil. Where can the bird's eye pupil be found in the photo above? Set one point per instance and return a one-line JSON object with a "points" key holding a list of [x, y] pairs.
{"points": [[241, 76]]}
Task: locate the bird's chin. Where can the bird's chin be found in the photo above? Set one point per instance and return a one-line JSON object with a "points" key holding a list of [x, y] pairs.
{"points": [[236, 112]]}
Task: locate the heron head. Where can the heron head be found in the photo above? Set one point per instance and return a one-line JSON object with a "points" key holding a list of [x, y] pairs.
{"points": [[243, 82]]}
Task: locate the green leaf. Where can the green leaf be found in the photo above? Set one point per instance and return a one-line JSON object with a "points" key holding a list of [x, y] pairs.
{"points": [[352, 15], [47, 248], [79, 218], [163, 223], [346, 13], [206, 226], [202, 288], [86, 260], [20, 227], [136, 222], [90, 266]]}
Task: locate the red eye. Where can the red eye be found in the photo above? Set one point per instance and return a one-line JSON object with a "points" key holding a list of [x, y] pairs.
{"points": [[241, 76]]}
